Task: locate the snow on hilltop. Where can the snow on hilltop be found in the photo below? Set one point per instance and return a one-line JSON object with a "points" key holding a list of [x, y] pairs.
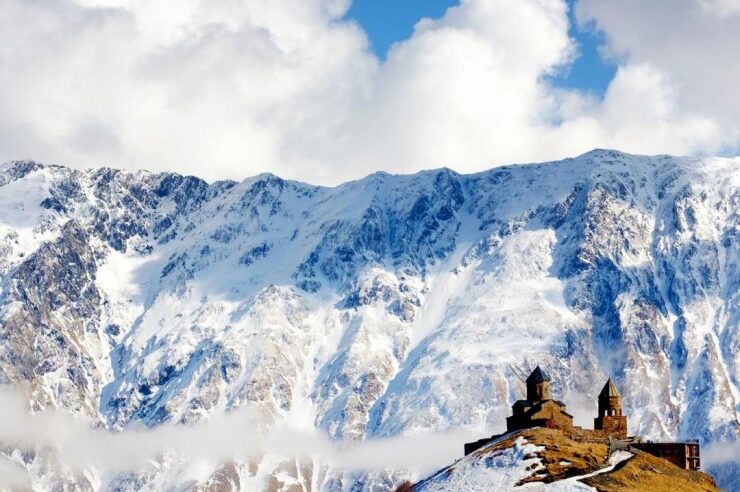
{"points": [[546, 460], [387, 306]]}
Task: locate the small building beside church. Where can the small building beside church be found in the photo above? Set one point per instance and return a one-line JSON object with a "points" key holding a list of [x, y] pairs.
{"points": [[682, 454]]}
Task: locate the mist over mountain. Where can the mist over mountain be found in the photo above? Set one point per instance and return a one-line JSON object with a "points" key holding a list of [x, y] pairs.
{"points": [[384, 307]]}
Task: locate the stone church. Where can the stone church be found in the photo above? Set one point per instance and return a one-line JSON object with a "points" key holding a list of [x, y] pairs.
{"points": [[540, 410]]}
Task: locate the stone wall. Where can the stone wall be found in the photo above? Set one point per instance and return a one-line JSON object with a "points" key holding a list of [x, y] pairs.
{"points": [[589, 435], [614, 425]]}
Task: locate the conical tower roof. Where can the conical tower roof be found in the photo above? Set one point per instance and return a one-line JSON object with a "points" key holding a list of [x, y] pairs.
{"points": [[537, 376], [609, 390]]}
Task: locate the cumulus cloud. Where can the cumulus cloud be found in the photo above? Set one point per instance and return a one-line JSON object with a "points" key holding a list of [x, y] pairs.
{"points": [[639, 113], [692, 46], [230, 88], [217, 88]]}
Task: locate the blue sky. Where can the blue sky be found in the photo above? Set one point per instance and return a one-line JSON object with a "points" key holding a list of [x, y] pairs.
{"points": [[389, 21]]}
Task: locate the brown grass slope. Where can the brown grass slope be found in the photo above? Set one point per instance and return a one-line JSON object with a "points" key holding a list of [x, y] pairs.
{"points": [[564, 457], [581, 458], [647, 472]]}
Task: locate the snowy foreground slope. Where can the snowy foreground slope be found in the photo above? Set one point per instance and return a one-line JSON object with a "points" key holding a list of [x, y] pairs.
{"points": [[548, 461], [388, 306], [503, 470]]}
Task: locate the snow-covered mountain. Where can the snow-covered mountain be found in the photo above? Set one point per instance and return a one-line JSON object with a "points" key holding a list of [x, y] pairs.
{"points": [[388, 306]]}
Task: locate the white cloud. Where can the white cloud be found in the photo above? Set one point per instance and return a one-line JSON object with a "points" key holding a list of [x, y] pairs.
{"points": [[230, 88], [245, 435], [692, 45], [13, 476], [720, 453], [216, 88], [722, 7], [639, 114]]}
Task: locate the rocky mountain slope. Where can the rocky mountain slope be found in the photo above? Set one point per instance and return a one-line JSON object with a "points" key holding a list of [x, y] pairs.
{"points": [[392, 305]]}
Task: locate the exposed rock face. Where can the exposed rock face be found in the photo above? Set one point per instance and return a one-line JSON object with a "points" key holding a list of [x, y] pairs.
{"points": [[380, 307], [51, 332]]}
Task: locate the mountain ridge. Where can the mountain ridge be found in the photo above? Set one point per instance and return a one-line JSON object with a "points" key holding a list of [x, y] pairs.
{"points": [[379, 307]]}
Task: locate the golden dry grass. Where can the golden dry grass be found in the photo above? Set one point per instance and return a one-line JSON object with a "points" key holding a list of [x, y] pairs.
{"points": [[564, 457], [647, 472]]}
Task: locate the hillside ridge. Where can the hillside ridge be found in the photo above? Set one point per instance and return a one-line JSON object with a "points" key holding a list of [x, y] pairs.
{"points": [[559, 463]]}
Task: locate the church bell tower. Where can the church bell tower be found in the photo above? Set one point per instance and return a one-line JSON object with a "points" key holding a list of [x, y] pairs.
{"points": [[538, 385], [610, 419]]}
